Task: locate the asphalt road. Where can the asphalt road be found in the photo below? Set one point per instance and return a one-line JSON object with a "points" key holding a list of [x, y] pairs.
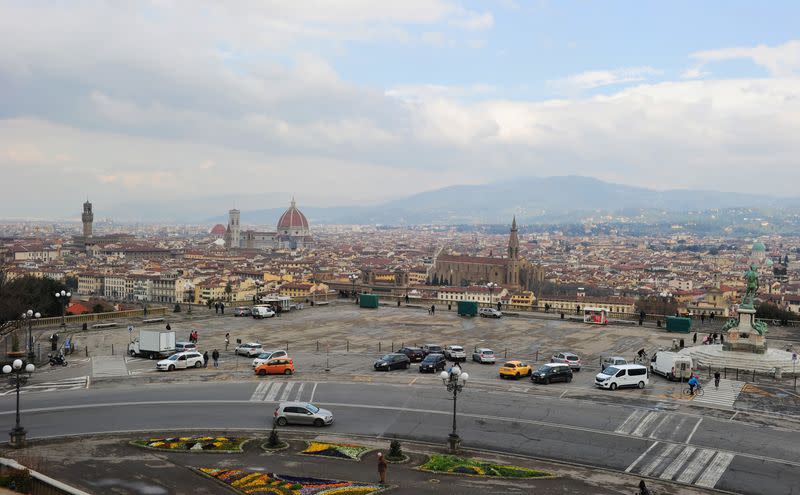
{"points": [[655, 441]]}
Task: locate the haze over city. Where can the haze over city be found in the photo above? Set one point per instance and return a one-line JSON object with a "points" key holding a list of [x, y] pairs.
{"points": [[358, 102]]}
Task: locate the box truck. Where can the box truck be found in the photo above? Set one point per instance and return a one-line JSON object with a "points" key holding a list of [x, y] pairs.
{"points": [[153, 344], [671, 365]]}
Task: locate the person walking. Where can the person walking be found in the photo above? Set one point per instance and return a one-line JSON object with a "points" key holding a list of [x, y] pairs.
{"points": [[222, 308], [216, 308], [702, 318], [205, 359], [433, 309], [643, 488], [716, 379], [227, 339], [694, 338], [168, 327], [382, 468], [215, 357]]}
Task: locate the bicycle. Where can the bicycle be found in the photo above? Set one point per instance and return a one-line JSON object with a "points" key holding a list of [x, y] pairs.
{"points": [[698, 392]]}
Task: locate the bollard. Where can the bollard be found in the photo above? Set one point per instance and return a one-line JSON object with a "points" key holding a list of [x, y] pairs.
{"points": [[318, 346], [393, 346], [287, 346], [87, 351], [537, 354], [754, 375], [725, 372], [348, 345], [737, 374], [112, 349], [379, 346], [505, 354], [709, 371]]}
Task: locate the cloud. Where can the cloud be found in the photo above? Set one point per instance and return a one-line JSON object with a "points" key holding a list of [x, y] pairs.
{"points": [[422, 92], [598, 78], [694, 73], [781, 60], [474, 21]]}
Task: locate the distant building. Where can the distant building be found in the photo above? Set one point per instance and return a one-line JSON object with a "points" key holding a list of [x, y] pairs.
{"points": [[292, 232], [86, 240]]}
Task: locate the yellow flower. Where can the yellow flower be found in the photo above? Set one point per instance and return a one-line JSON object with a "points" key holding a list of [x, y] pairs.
{"points": [[317, 447], [222, 439], [184, 439], [217, 444], [156, 444], [246, 479]]}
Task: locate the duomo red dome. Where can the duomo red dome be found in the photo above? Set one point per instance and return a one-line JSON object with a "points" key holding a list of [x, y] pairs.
{"points": [[218, 229], [292, 219]]}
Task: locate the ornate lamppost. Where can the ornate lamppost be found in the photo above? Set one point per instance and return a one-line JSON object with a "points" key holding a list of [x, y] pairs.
{"points": [[353, 277], [63, 298], [491, 286], [16, 369], [455, 380], [30, 315]]}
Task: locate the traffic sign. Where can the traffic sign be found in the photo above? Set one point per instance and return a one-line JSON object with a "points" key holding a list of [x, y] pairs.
{"points": [[130, 328], [794, 356]]}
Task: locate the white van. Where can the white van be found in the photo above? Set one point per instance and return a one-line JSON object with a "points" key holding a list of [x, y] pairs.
{"points": [[262, 312], [671, 365], [622, 375]]}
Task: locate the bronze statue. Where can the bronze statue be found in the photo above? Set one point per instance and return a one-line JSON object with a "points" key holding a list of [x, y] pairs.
{"points": [[751, 280]]}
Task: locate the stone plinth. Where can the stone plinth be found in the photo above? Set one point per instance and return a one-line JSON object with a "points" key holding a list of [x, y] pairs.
{"points": [[744, 337], [716, 357]]}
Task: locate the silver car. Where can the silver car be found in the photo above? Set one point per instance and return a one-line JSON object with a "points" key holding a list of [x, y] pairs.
{"points": [[483, 356], [301, 413], [569, 358]]}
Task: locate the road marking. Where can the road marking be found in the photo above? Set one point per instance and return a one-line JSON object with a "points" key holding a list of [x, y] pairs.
{"points": [[639, 431], [689, 438], [679, 461], [734, 415], [80, 382], [715, 470], [299, 393], [638, 459], [286, 391], [563, 394], [694, 468], [659, 425], [260, 392], [412, 382], [659, 459], [632, 420], [313, 391], [273, 392]]}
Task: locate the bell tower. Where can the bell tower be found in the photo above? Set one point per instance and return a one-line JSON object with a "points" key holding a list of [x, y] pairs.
{"points": [[512, 275], [87, 217]]}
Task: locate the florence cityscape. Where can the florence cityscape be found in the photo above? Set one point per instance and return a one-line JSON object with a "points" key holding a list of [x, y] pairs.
{"points": [[420, 247]]}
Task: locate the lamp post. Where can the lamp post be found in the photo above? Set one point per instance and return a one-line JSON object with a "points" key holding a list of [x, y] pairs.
{"points": [[455, 380], [18, 367], [491, 286], [353, 277], [30, 315], [259, 284], [63, 298]]}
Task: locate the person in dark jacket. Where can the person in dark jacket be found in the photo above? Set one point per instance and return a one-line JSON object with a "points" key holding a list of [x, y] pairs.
{"points": [[215, 357], [205, 359]]}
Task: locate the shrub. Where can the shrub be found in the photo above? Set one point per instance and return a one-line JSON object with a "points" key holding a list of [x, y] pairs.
{"points": [[395, 450], [274, 440], [177, 308]]}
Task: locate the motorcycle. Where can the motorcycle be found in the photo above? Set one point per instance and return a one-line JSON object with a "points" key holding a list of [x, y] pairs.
{"points": [[58, 359]]}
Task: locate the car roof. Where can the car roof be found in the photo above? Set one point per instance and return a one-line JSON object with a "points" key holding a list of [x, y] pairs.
{"points": [[184, 343], [293, 403], [514, 362], [556, 365], [434, 354], [250, 343], [481, 349], [455, 345]]}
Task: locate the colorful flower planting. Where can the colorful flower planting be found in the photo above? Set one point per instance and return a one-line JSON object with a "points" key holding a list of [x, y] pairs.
{"points": [[337, 450], [280, 484], [462, 465], [194, 444]]}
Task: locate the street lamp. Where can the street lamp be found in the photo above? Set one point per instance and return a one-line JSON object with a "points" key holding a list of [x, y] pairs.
{"points": [[259, 284], [491, 286], [455, 380], [30, 315], [63, 298], [353, 277], [18, 433]]}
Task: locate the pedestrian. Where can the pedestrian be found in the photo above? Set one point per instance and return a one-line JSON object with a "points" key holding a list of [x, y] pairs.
{"points": [[711, 317], [694, 338], [398, 303], [227, 339], [499, 305], [168, 327], [715, 337], [382, 468], [643, 488], [215, 357], [222, 308], [702, 318], [191, 336], [721, 338], [716, 379], [433, 309], [205, 359], [216, 308]]}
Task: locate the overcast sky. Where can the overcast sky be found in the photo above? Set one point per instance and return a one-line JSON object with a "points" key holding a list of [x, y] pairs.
{"points": [[355, 101]]}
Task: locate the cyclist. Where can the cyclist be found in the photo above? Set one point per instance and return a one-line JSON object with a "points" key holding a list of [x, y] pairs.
{"points": [[693, 382]]}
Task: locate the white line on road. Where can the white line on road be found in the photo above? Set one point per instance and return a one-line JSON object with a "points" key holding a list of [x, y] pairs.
{"points": [[286, 391], [629, 423], [313, 391], [677, 463], [638, 459], [659, 459], [639, 431], [273, 392], [689, 438], [715, 470], [659, 425], [697, 465], [299, 393]]}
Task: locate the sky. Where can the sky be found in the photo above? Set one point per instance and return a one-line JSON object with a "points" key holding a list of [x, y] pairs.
{"points": [[346, 102]]}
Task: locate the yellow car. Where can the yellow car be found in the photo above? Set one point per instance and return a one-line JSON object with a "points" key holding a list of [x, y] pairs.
{"points": [[515, 369]]}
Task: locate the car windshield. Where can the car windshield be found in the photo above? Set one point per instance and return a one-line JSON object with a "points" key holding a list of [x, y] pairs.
{"points": [[264, 355], [543, 369], [572, 358], [174, 357], [430, 358], [311, 407], [387, 357], [509, 365], [610, 371], [487, 352], [456, 348]]}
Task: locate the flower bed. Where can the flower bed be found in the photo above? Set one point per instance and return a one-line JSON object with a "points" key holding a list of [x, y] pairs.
{"points": [[280, 484], [336, 450], [475, 467], [193, 444]]}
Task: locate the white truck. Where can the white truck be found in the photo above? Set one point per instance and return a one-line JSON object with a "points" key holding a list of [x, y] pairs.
{"points": [[671, 365], [153, 344]]}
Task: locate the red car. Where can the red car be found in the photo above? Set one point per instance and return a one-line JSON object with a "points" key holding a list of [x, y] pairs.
{"points": [[415, 354]]}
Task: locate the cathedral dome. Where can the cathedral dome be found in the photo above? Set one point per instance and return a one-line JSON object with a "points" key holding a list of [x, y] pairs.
{"points": [[218, 229], [292, 218]]}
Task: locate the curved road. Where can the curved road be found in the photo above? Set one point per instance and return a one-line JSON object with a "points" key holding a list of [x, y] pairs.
{"points": [[661, 443]]}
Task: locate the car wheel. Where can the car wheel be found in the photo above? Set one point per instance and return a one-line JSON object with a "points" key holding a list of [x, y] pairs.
{"points": [[530, 372], [198, 364], [577, 370], [132, 353], [546, 381], [171, 367], [641, 384], [408, 365], [281, 421], [287, 372], [262, 372], [517, 375], [613, 386], [318, 422]]}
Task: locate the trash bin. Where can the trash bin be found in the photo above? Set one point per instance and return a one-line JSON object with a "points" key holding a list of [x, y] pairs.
{"points": [[85, 326], [658, 323], [681, 343], [562, 315]]}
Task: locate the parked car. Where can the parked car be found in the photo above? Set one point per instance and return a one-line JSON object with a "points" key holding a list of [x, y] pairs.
{"points": [[265, 356], [607, 361], [455, 353], [181, 360], [414, 354], [552, 372], [242, 311], [249, 349], [262, 312], [394, 361], [490, 313], [622, 375], [279, 366], [483, 356], [432, 363], [568, 358], [185, 346], [671, 365], [432, 349], [515, 369], [301, 413]]}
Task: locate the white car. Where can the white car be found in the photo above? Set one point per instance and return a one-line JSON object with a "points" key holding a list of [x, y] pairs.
{"points": [[249, 349], [181, 360], [490, 313], [262, 312], [185, 346], [483, 356], [267, 355], [455, 353]]}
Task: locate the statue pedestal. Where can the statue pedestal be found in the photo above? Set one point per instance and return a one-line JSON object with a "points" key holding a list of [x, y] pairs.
{"points": [[744, 337]]}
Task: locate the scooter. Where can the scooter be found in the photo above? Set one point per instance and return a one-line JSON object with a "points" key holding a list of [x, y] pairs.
{"points": [[57, 359]]}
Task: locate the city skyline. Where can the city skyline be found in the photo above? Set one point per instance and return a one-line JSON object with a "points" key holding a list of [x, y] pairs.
{"points": [[343, 101]]}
